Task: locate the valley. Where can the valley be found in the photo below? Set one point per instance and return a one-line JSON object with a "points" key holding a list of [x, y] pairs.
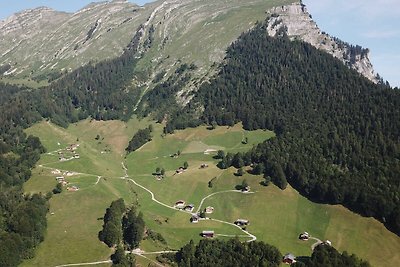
{"points": [[277, 217], [229, 123]]}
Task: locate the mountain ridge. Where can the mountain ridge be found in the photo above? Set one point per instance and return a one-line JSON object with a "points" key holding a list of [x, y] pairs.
{"points": [[189, 31]]}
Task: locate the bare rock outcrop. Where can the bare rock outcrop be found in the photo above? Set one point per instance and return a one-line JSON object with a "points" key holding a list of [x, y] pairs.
{"points": [[295, 20]]}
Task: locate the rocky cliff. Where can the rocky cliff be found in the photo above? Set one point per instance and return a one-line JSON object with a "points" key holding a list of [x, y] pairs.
{"points": [[295, 20]]}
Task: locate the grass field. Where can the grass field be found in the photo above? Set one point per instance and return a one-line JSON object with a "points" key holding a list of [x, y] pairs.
{"points": [[276, 216]]}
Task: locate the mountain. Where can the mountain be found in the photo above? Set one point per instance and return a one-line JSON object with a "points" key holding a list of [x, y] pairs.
{"points": [[174, 32], [298, 24], [189, 63]]}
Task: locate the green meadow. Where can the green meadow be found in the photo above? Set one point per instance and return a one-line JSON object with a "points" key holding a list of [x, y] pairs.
{"points": [[276, 217]]}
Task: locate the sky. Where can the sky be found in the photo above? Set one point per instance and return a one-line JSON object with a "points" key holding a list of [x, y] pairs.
{"points": [[374, 24]]}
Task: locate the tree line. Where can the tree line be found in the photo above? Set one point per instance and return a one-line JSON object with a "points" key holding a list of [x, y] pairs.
{"points": [[140, 138], [235, 253], [123, 229], [337, 132]]}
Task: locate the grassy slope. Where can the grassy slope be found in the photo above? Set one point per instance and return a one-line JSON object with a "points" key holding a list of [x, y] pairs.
{"points": [[276, 216]]}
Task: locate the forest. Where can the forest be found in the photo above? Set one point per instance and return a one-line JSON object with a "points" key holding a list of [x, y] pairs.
{"points": [[338, 138], [235, 253]]}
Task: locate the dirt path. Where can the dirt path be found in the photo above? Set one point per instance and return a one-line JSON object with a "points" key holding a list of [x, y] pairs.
{"points": [[75, 173], [318, 241], [126, 177]]}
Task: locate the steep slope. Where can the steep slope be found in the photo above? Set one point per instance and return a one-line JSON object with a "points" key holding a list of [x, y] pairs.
{"points": [[295, 20], [40, 41], [180, 30]]}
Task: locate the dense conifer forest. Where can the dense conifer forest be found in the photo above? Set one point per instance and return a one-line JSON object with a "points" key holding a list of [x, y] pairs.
{"points": [[338, 134], [235, 253]]}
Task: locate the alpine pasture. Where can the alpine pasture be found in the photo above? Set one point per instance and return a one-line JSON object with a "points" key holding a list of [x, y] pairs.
{"points": [[103, 172]]}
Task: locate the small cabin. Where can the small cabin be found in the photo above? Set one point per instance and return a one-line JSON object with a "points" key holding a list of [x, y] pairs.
{"points": [[189, 208], [76, 156], [327, 242], [180, 204], [194, 219], [246, 189], [209, 210], [56, 172], [207, 234], [60, 178], [180, 170], [242, 222], [73, 188], [304, 236], [289, 258]]}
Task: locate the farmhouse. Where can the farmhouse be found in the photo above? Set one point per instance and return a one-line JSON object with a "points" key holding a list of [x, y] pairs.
{"points": [[180, 204], [304, 236], [73, 188], [289, 258], [180, 170], [194, 219], [60, 178], [246, 189], [209, 210], [56, 172], [242, 222], [189, 208], [207, 234]]}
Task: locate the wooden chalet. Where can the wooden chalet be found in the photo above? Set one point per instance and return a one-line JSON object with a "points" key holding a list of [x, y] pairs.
{"points": [[209, 210], [189, 208], [194, 219], [242, 222], [207, 234], [304, 236], [180, 204], [289, 258]]}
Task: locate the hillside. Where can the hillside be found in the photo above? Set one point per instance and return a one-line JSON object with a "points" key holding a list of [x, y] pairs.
{"points": [[172, 31], [219, 98]]}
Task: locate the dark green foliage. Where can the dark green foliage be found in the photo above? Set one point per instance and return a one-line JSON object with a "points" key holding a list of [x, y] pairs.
{"points": [[111, 234], [185, 165], [155, 236], [22, 225], [327, 256], [122, 226], [337, 132], [58, 189], [240, 172], [133, 227], [139, 139], [228, 253], [120, 259], [161, 100], [220, 154]]}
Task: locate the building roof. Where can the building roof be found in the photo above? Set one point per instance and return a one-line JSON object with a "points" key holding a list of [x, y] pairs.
{"points": [[289, 256], [207, 232]]}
